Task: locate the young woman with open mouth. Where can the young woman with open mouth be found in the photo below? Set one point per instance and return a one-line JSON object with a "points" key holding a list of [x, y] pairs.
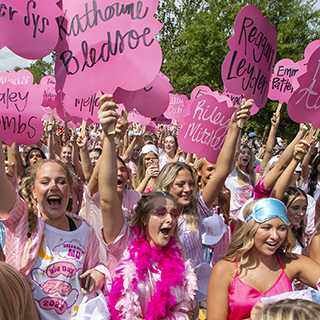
{"points": [[50, 246], [149, 278], [259, 263]]}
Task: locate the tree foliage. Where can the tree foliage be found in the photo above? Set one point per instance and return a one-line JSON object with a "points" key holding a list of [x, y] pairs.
{"points": [[194, 43]]}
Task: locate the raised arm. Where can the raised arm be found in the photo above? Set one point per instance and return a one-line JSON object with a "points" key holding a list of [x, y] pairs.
{"points": [[275, 121], [284, 180], [305, 163], [225, 160], [110, 203], [273, 175], [17, 160], [86, 165], [7, 192]]}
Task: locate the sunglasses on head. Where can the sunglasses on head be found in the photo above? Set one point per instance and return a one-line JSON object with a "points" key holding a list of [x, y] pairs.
{"points": [[163, 212]]}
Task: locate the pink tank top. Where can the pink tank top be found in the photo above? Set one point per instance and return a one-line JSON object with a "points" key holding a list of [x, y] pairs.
{"points": [[243, 297]]}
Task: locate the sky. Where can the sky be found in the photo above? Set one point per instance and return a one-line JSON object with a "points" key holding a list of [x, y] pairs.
{"points": [[9, 60]]}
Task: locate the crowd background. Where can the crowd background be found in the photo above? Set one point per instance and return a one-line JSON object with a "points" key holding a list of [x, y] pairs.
{"points": [[115, 183]]}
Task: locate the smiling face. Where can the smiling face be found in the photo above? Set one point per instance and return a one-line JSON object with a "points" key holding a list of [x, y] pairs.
{"points": [[66, 154], [206, 172], [270, 236], [244, 158], [158, 230], [182, 188], [169, 145], [297, 210], [149, 159], [52, 191], [135, 153]]}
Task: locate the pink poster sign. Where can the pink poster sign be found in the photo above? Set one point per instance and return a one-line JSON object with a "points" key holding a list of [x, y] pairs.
{"points": [[151, 101], [61, 111], [135, 117], [247, 68], [311, 47], [48, 88], [151, 127], [284, 80], [162, 120], [236, 100], [104, 45], [176, 104], [20, 108], [85, 108], [304, 103], [206, 126], [30, 27]]}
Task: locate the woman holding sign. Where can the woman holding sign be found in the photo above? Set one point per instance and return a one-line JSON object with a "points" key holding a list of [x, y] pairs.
{"points": [[150, 279], [258, 264], [177, 178]]}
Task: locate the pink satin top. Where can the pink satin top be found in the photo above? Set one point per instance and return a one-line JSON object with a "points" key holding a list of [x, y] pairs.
{"points": [[243, 297]]}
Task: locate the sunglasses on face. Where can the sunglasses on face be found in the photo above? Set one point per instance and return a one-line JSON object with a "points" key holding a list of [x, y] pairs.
{"points": [[162, 212]]}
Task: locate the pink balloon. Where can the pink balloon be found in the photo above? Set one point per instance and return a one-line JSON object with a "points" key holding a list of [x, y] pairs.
{"points": [[247, 68], [135, 116], [151, 101], [176, 104], [305, 101], [206, 126], [85, 108], [284, 80], [20, 108], [30, 27], [104, 45]]}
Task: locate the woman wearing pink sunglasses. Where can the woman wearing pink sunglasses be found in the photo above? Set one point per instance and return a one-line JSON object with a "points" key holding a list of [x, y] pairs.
{"points": [[149, 277]]}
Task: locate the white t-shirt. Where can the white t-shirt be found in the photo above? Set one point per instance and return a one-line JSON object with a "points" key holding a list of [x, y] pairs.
{"points": [[54, 278], [240, 191]]}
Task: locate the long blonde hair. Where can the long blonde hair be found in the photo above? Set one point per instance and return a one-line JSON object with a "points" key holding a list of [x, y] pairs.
{"points": [[243, 241], [15, 295], [289, 309], [241, 175], [163, 182]]}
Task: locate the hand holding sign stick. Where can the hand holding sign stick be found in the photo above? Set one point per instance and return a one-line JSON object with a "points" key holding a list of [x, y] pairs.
{"points": [[241, 117], [107, 114]]}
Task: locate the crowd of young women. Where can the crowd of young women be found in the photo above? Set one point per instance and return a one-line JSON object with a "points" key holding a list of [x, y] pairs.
{"points": [[128, 219]]}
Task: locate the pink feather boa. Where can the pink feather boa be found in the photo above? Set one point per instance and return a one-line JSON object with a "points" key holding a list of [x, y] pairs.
{"points": [[140, 259]]}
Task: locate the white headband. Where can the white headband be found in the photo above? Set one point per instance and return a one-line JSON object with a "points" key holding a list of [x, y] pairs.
{"points": [[148, 148]]}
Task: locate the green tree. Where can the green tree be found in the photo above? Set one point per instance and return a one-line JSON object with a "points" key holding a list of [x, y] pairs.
{"points": [[195, 45], [41, 68]]}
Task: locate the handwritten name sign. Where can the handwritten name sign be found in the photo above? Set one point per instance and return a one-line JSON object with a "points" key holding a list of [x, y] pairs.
{"points": [[176, 104], [135, 117], [284, 80], [162, 120], [305, 101], [104, 45], [20, 108], [247, 68], [30, 27], [236, 100], [48, 88], [206, 126], [86, 108], [151, 101]]}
